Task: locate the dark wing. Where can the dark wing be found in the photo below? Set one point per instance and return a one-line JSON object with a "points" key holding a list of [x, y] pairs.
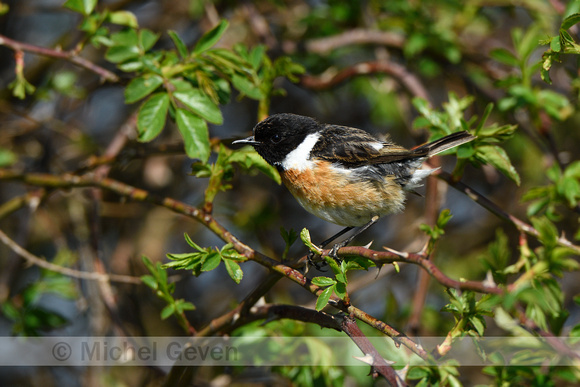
{"points": [[353, 147]]}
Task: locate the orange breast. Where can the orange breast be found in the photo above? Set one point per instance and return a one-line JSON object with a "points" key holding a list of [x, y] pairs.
{"points": [[337, 196]]}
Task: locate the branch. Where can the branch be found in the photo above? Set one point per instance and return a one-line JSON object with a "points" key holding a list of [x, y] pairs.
{"points": [[400, 73], [356, 36], [496, 210], [133, 193], [379, 365], [34, 260], [70, 56]]}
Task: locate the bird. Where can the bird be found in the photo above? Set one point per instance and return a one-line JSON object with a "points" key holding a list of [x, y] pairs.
{"points": [[341, 174]]}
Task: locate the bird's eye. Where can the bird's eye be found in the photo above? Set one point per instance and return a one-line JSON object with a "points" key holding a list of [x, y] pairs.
{"points": [[276, 139]]}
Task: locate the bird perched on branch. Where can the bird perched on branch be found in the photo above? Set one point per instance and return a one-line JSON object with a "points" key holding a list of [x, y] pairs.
{"points": [[341, 174]]}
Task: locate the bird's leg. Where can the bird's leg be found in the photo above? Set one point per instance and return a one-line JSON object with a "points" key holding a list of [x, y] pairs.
{"points": [[337, 246], [324, 244]]}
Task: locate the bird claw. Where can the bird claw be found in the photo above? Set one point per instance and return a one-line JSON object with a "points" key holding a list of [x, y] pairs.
{"points": [[319, 265]]}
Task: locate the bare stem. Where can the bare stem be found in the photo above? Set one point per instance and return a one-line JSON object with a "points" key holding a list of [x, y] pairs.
{"points": [[70, 56]]}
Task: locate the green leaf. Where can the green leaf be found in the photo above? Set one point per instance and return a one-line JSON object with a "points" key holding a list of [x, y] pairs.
{"points": [[141, 87], [305, 238], [211, 261], [573, 170], [82, 6], [555, 44], [151, 116], [323, 298], [247, 87], [20, 87], [444, 218], [211, 37], [570, 21], [167, 311], [323, 281], [548, 233], [504, 56], [340, 290], [182, 305], [234, 270], [199, 103], [498, 158], [181, 47], [249, 159], [7, 157], [478, 324], [118, 54], [123, 18], [195, 135], [147, 39]]}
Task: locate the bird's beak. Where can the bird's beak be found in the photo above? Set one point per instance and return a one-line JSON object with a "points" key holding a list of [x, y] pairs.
{"points": [[247, 141]]}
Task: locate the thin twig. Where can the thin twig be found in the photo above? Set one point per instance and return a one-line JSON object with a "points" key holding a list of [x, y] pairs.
{"points": [[37, 261], [397, 71], [355, 36], [70, 56], [495, 209]]}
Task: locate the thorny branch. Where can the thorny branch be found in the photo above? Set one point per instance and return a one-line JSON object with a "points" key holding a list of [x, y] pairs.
{"points": [[379, 257]]}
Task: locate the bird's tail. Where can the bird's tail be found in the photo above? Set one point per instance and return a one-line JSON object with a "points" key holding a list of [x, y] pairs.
{"points": [[444, 143]]}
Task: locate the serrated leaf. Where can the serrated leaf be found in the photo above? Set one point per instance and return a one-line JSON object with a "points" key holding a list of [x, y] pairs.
{"points": [[141, 87], [195, 134], [498, 158], [323, 298], [82, 6], [548, 232], [323, 281], [191, 242], [570, 189], [210, 38], [234, 270], [151, 116], [340, 290], [147, 39], [478, 324], [211, 261], [248, 158], [570, 21], [199, 103], [181, 47]]}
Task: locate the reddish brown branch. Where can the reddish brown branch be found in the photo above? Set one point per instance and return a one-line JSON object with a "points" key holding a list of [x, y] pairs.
{"points": [[379, 366], [133, 193], [398, 72], [382, 257], [70, 56]]}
